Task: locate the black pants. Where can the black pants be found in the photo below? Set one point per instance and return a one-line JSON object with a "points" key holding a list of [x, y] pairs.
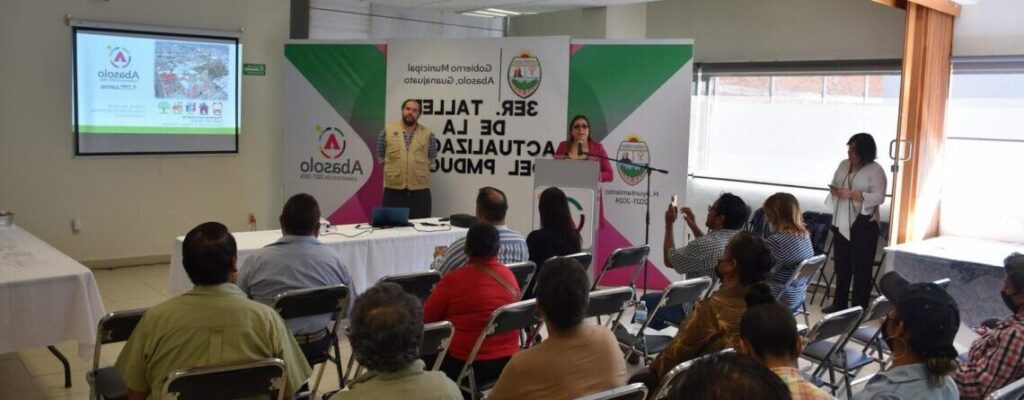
{"points": [[483, 371], [417, 201], [854, 259]]}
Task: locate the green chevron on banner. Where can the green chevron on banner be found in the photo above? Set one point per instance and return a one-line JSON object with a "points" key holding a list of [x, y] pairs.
{"points": [[350, 77], [607, 82]]}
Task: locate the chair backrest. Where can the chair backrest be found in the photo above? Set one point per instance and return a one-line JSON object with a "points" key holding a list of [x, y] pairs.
{"points": [[818, 226], [943, 283], [609, 301], [758, 224], [1013, 391], [636, 391], [683, 292], [419, 284], [835, 324], [314, 301], [878, 309], [584, 258], [671, 379], [507, 318], [625, 257], [436, 337], [113, 328], [806, 271], [246, 379], [523, 272]]}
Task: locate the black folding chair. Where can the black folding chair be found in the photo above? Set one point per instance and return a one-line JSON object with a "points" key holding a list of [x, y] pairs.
{"points": [[508, 318], [635, 257], [832, 355], [419, 284], [261, 378], [869, 332], [331, 300], [436, 338], [804, 272], [610, 301], [671, 379], [584, 258], [524, 272], [883, 240], [106, 383], [636, 391], [819, 227], [675, 295]]}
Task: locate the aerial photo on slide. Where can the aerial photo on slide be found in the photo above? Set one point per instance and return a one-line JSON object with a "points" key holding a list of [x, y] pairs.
{"points": [[191, 71]]}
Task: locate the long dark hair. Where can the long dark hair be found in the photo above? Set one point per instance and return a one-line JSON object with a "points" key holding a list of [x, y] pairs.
{"points": [[555, 217]]}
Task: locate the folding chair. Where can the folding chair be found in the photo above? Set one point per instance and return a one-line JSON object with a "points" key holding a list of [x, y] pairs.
{"points": [[106, 383], [819, 226], [419, 284], [314, 302], [943, 283], [636, 391], [833, 355], [675, 295], [883, 240], [436, 337], [584, 258], [671, 379], [869, 332], [608, 302], [804, 272], [260, 378], [523, 272], [1013, 391], [507, 318], [623, 258]]}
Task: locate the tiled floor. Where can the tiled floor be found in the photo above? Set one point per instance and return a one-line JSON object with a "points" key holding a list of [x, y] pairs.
{"points": [[35, 374]]}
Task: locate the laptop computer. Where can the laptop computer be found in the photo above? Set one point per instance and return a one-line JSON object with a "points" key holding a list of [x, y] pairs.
{"points": [[384, 217]]}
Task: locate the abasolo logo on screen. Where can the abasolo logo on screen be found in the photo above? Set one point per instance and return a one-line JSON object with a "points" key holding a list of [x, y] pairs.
{"points": [[330, 166], [120, 58]]}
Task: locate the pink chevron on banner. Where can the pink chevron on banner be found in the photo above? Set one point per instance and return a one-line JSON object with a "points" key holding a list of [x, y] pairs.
{"points": [[357, 209]]}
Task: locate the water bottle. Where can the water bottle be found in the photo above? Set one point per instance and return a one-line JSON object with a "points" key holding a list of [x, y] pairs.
{"points": [[640, 316]]}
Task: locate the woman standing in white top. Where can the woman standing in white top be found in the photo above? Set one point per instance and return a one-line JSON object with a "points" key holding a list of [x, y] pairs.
{"points": [[857, 190]]}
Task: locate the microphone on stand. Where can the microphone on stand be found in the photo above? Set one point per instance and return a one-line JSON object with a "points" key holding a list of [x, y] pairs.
{"points": [[579, 149]]}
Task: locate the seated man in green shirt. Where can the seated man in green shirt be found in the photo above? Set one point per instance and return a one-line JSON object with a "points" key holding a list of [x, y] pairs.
{"points": [[386, 333], [214, 323]]}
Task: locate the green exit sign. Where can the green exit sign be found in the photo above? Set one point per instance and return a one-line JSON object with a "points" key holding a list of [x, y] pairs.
{"points": [[254, 69]]}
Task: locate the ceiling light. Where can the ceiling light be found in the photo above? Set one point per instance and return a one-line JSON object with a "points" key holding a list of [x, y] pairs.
{"points": [[506, 12], [493, 14], [474, 14]]}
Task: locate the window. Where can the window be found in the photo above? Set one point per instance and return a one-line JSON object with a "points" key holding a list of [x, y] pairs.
{"points": [[984, 150], [788, 123]]}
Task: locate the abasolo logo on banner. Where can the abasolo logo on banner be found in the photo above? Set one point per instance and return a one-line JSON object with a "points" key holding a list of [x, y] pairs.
{"points": [[524, 74], [331, 145], [635, 150], [576, 209]]}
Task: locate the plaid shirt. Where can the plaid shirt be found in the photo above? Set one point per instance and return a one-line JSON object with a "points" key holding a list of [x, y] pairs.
{"points": [[800, 388], [996, 359]]}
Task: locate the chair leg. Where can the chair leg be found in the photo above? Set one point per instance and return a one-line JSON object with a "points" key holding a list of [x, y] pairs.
{"points": [[337, 363], [832, 380]]}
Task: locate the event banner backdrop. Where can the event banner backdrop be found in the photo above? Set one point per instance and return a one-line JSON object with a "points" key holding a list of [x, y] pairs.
{"points": [[494, 105]]}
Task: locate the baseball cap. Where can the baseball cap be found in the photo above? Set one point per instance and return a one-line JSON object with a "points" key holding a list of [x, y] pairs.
{"points": [[931, 314]]}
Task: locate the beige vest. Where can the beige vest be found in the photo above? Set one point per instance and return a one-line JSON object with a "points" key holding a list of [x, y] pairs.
{"points": [[406, 168]]}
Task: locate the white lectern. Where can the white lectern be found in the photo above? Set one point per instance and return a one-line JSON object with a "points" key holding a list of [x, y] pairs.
{"points": [[579, 180]]}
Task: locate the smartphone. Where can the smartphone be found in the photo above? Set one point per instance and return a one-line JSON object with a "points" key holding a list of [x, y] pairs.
{"points": [[675, 200]]}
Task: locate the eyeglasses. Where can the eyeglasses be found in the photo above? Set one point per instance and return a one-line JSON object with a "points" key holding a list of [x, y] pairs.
{"points": [[581, 126]]}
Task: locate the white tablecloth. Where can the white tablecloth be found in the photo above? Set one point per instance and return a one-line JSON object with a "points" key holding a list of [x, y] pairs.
{"points": [[45, 296], [369, 256]]}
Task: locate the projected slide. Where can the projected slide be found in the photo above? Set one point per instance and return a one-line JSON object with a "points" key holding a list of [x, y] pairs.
{"points": [[150, 92]]}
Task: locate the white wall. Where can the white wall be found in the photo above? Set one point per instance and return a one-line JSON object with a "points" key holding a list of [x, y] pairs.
{"points": [[991, 27], [585, 23], [359, 19], [626, 21], [136, 205]]}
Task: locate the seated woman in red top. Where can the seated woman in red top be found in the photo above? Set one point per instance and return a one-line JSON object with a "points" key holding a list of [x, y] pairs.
{"points": [[579, 133], [467, 296]]}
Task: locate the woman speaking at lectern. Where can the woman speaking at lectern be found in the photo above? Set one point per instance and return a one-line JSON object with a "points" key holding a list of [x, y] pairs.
{"points": [[578, 144]]}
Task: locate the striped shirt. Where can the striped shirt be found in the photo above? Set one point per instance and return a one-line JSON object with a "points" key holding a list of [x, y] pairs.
{"points": [[799, 388], [788, 250], [996, 359], [294, 262], [382, 145], [513, 250]]}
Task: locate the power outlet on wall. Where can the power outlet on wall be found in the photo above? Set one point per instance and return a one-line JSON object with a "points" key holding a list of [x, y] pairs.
{"points": [[76, 225], [252, 221]]}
